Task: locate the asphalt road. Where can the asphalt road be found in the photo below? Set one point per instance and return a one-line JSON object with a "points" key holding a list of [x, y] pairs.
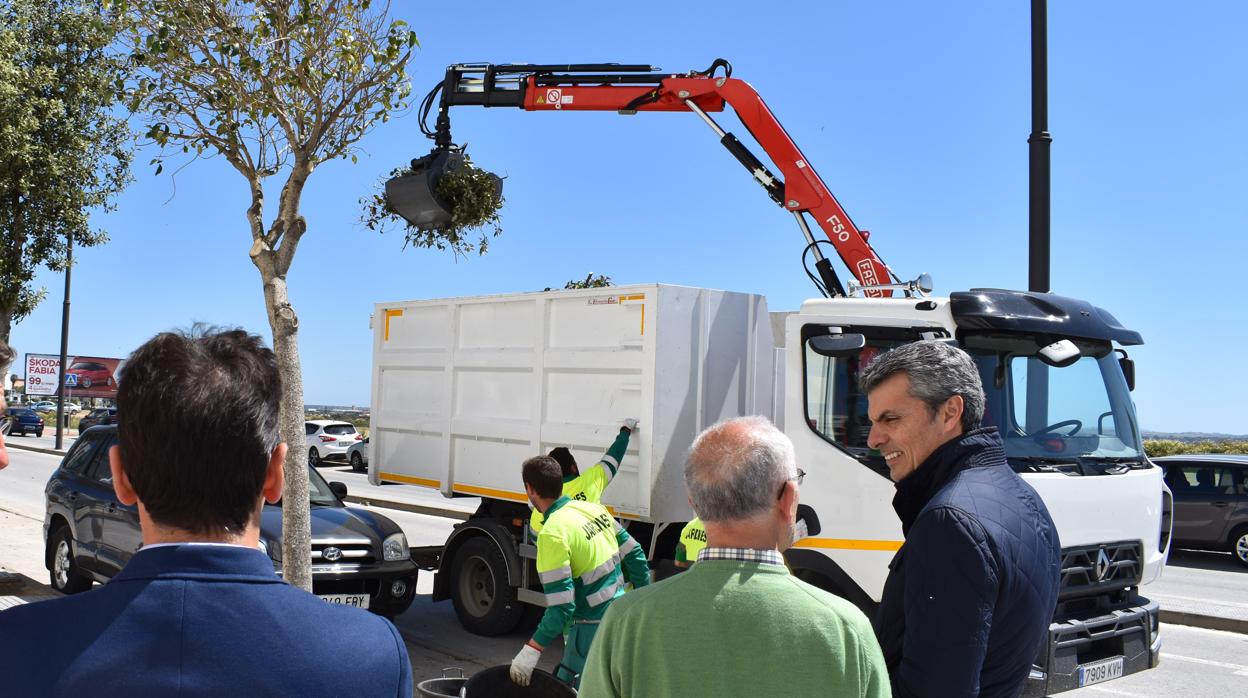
{"points": [[1195, 662]]}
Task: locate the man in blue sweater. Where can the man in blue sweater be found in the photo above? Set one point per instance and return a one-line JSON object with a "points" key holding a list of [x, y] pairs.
{"points": [[969, 596]]}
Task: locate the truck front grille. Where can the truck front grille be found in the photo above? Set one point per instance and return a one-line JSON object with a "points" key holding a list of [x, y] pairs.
{"points": [[1101, 570]]}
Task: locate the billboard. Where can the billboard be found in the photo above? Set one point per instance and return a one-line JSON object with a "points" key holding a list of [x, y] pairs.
{"points": [[86, 376]]}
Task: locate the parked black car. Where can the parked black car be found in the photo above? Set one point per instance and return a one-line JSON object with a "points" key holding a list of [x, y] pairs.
{"points": [[97, 417], [359, 558], [24, 421], [1210, 501]]}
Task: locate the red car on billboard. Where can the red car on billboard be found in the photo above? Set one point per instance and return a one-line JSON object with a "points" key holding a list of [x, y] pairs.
{"points": [[88, 374]]}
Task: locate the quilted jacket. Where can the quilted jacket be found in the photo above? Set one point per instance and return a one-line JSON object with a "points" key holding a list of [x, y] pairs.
{"points": [[969, 597]]}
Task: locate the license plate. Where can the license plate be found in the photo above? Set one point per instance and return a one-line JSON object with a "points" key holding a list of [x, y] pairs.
{"points": [[1100, 671], [361, 601]]}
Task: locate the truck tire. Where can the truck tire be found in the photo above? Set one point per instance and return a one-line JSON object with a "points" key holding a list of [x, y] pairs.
{"points": [[484, 602], [1239, 544]]}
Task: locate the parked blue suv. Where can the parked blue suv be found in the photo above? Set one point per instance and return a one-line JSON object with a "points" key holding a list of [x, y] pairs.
{"points": [[24, 421], [359, 558]]}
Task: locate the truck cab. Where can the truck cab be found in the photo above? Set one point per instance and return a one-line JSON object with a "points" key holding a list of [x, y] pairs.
{"points": [[1058, 390]]}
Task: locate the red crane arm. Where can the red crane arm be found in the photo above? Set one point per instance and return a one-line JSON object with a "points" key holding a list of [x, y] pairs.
{"points": [[628, 89]]}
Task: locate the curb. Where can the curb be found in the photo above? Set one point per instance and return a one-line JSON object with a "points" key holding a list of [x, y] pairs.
{"points": [[25, 586], [1198, 620], [8, 443]]}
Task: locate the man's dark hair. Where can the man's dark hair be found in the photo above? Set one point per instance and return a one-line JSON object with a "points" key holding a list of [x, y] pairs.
{"points": [[197, 421], [937, 371], [567, 463], [544, 475]]}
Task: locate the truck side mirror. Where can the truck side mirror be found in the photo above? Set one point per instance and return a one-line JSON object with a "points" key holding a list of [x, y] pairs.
{"points": [[806, 513], [837, 345], [1128, 369]]}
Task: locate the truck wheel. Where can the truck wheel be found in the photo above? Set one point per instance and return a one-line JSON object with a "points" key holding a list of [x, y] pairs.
{"points": [[1239, 544], [484, 602], [62, 570]]}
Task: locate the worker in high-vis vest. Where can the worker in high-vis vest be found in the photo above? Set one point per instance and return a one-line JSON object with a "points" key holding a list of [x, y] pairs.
{"points": [[589, 485], [584, 558], [692, 540]]}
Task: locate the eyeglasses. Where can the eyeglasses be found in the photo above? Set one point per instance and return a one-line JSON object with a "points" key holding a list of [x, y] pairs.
{"points": [[801, 475]]}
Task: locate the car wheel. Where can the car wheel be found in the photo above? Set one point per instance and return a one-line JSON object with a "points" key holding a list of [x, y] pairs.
{"points": [[484, 602], [86, 382], [62, 570], [314, 457], [357, 463], [39, 434], [1239, 544]]}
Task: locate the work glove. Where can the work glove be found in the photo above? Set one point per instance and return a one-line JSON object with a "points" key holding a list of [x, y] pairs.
{"points": [[523, 665], [630, 424]]}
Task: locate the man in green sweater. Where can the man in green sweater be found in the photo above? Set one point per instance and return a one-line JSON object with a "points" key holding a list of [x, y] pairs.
{"points": [[760, 631]]}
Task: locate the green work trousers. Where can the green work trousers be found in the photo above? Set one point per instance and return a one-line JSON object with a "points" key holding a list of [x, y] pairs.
{"points": [[576, 650]]}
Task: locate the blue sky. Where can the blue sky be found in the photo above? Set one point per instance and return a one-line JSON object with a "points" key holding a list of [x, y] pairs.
{"points": [[915, 113]]}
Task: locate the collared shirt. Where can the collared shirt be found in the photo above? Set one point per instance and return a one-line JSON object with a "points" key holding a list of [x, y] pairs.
{"points": [[770, 557]]}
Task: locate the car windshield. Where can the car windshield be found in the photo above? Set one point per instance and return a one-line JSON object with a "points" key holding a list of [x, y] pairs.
{"points": [[318, 490], [339, 429], [22, 412]]}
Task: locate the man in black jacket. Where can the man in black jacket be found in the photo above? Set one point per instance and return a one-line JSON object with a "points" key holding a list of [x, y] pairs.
{"points": [[969, 597]]}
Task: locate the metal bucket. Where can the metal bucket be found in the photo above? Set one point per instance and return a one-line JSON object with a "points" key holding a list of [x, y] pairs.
{"points": [[496, 682], [444, 687]]}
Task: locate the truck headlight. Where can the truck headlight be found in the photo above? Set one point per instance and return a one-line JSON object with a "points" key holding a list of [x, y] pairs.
{"points": [[395, 548]]}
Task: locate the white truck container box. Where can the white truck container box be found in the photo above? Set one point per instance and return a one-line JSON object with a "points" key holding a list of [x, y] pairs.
{"points": [[465, 389]]}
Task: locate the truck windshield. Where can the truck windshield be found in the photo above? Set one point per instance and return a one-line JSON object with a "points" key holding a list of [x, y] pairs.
{"points": [[1047, 416]]}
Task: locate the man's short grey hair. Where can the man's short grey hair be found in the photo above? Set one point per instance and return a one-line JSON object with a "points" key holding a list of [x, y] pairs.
{"points": [[937, 371], [736, 468]]}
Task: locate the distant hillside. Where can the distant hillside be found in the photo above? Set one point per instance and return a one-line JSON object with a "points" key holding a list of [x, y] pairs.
{"points": [[1189, 436]]}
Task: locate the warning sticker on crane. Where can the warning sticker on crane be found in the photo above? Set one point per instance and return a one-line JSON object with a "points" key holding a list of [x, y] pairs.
{"points": [[552, 96]]}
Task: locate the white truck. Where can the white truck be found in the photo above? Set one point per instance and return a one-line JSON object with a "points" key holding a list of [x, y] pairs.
{"points": [[463, 390]]}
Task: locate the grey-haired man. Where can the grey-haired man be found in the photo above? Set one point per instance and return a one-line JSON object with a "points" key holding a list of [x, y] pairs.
{"points": [[969, 596]]}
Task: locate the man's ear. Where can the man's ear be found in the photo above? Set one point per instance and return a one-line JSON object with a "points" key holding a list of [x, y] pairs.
{"points": [[275, 475], [787, 504], [121, 484], [951, 412]]}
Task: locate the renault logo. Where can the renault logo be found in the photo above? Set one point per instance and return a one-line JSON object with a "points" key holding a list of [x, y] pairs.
{"points": [[1102, 565], [333, 554]]}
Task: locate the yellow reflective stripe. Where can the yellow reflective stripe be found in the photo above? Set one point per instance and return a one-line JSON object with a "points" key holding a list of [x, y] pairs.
{"points": [[850, 544], [487, 492], [552, 576], [601, 570], [605, 594], [395, 477]]}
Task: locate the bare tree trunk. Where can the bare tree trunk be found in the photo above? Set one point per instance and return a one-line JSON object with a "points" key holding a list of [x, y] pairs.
{"points": [[296, 528]]}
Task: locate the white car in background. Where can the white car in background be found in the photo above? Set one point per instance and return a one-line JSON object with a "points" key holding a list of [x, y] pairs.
{"points": [[329, 439], [357, 456]]}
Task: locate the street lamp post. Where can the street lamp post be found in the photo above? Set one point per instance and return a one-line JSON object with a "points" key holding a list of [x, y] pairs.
{"points": [[60, 387]]}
